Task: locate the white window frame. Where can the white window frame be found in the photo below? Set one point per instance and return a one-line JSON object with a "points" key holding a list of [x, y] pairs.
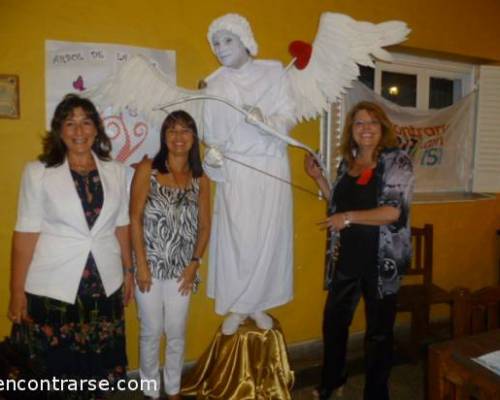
{"points": [[425, 68]]}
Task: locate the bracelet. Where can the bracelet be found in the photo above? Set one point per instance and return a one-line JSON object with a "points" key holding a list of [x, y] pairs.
{"points": [[196, 259], [130, 270], [347, 221]]}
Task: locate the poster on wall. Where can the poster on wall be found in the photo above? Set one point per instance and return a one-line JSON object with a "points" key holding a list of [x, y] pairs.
{"points": [[440, 142], [72, 67]]}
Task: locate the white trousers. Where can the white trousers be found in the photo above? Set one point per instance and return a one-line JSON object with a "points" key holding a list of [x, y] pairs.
{"points": [[162, 310]]}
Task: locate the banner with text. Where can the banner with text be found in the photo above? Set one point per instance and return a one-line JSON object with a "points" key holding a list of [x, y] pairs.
{"points": [[438, 141]]}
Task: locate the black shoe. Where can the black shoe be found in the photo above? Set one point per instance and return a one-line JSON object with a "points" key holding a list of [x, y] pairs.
{"points": [[325, 393]]}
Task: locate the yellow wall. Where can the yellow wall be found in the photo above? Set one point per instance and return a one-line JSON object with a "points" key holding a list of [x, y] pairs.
{"points": [[465, 246]]}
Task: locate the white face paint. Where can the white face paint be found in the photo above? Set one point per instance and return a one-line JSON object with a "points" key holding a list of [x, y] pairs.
{"points": [[229, 49]]}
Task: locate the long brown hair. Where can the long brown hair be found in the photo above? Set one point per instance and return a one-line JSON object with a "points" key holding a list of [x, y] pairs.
{"points": [[54, 149], [348, 147], [194, 160]]}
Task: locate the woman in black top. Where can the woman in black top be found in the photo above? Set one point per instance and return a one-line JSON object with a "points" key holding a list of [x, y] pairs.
{"points": [[369, 245]]}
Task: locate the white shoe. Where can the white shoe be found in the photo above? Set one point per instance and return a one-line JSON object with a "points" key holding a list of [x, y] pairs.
{"points": [[262, 320], [232, 322]]}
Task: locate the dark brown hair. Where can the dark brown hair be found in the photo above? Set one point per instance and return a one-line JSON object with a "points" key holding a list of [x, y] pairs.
{"points": [[54, 149], [348, 146], [160, 160]]}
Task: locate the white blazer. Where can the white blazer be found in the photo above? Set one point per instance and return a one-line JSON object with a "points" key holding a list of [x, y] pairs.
{"points": [[49, 204]]}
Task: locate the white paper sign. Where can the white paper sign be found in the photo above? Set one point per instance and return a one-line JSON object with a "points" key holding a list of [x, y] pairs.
{"points": [[74, 67]]}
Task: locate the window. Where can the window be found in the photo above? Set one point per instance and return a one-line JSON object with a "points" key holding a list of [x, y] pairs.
{"points": [[424, 84], [399, 88], [418, 82], [444, 92]]}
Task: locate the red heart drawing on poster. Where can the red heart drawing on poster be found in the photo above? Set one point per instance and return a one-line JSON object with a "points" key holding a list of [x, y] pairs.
{"points": [[78, 84], [301, 51]]}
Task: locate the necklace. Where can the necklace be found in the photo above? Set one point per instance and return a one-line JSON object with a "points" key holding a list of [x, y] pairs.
{"points": [[179, 173], [363, 170], [82, 168], [176, 182], [182, 191]]}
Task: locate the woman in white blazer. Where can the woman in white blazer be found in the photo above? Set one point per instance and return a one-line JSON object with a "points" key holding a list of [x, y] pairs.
{"points": [[71, 250]]}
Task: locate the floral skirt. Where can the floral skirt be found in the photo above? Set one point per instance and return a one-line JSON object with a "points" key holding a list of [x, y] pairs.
{"points": [[84, 340]]}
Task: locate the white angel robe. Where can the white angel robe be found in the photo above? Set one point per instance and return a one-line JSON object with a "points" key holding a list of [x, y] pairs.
{"points": [[250, 262]]}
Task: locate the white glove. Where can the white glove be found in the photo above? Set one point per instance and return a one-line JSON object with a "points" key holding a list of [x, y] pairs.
{"points": [[213, 157]]}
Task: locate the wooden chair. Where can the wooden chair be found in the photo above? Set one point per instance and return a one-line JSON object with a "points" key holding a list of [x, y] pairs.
{"points": [[475, 312], [498, 241], [452, 374], [417, 298]]}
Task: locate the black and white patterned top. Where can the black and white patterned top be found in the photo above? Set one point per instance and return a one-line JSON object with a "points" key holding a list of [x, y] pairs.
{"points": [[170, 227]]}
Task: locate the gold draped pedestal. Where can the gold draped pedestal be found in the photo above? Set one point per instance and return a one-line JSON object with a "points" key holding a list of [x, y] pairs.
{"points": [[251, 364]]}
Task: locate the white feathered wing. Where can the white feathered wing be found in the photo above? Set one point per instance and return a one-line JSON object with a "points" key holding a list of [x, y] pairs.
{"points": [[340, 45], [138, 85]]}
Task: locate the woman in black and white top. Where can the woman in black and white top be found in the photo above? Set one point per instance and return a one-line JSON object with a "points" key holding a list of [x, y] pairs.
{"points": [[170, 219]]}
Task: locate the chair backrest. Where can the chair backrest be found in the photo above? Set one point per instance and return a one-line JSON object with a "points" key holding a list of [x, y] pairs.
{"points": [[498, 247], [422, 242], [475, 312]]}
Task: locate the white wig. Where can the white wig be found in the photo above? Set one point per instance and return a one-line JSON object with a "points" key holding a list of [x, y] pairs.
{"points": [[237, 25]]}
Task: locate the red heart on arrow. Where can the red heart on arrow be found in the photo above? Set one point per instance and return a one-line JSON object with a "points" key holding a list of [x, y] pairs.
{"points": [[301, 51]]}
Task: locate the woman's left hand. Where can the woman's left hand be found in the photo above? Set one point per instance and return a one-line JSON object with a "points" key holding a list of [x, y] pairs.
{"points": [[335, 222], [128, 284], [187, 278]]}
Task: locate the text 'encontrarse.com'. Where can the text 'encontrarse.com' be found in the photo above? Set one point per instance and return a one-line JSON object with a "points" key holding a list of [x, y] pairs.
{"points": [[75, 385]]}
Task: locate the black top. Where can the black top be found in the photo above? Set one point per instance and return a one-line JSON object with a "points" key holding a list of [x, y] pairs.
{"points": [[358, 243], [89, 188]]}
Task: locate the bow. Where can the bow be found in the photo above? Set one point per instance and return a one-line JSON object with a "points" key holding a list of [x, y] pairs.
{"points": [[262, 125]]}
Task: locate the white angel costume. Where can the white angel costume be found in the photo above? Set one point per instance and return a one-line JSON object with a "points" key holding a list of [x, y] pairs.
{"points": [[251, 264]]}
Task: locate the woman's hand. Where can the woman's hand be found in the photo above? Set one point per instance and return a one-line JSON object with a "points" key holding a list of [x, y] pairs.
{"points": [[143, 278], [335, 222], [128, 283], [18, 308], [311, 167], [187, 278]]}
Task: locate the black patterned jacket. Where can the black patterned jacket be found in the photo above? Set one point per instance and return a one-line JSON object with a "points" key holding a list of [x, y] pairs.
{"points": [[395, 183]]}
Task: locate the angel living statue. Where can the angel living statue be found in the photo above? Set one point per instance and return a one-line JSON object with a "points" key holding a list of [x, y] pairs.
{"points": [[251, 253], [251, 264], [245, 113]]}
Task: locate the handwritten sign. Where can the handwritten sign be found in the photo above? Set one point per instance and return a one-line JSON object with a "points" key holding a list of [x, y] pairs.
{"points": [[424, 144], [74, 67]]}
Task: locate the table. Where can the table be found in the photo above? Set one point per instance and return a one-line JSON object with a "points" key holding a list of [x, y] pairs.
{"points": [[453, 375]]}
